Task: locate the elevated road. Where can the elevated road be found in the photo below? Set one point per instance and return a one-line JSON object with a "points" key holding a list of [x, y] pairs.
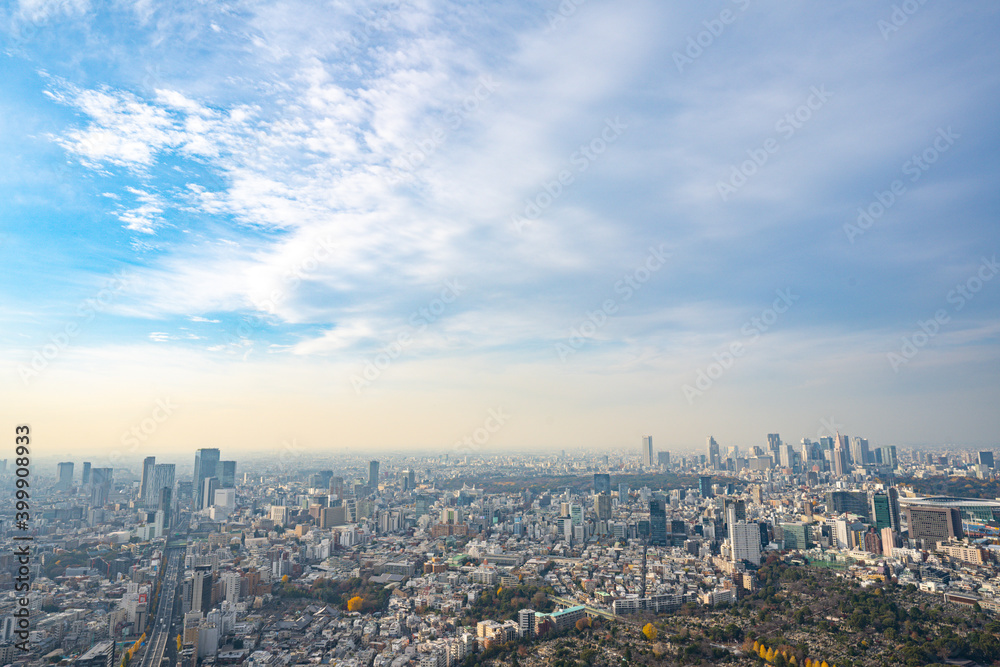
{"points": [[157, 642]]}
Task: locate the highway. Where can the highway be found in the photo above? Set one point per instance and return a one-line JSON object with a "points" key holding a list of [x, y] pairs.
{"points": [[157, 642]]}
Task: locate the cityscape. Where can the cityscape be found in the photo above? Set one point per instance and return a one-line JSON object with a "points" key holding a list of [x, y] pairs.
{"points": [[486, 558], [533, 333]]}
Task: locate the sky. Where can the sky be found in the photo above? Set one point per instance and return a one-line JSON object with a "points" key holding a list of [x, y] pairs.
{"points": [[477, 227]]}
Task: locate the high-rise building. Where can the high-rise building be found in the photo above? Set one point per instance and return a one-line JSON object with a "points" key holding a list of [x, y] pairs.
{"points": [[859, 451], [86, 473], [744, 540], [165, 505], [881, 512], [373, 476], [337, 486], [423, 505], [663, 459], [602, 483], [705, 486], [209, 485], [526, 623], [602, 506], [65, 476], [658, 523], [206, 463], [714, 459], [786, 456], [647, 451], [934, 524], [162, 476], [145, 493], [986, 459], [100, 486], [855, 502], [888, 455], [227, 474], [840, 453], [797, 536], [201, 594], [773, 443]]}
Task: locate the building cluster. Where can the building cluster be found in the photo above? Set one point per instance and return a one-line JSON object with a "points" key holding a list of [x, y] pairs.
{"points": [[426, 560]]}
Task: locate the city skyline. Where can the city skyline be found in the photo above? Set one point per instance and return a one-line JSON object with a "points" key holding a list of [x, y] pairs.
{"points": [[397, 226]]}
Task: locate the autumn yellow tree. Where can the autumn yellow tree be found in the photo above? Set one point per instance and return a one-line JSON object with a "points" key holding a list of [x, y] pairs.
{"points": [[756, 646], [823, 664], [354, 604], [762, 652], [770, 655], [650, 631]]}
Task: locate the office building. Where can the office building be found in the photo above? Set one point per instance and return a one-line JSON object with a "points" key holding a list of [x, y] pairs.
{"points": [[714, 459], [373, 476], [209, 486], [602, 483], [854, 502], [647, 451], [86, 473], [227, 474], [602, 506], [65, 476], [145, 493], [162, 478], [797, 536], [658, 523], [705, 486], [201, 589], [100, 486], [663, 459], [841, 452], [859, 451], [206, 463], [986, 459]]}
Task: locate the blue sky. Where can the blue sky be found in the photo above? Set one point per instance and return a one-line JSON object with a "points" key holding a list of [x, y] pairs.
{"points": [[364, 225]]}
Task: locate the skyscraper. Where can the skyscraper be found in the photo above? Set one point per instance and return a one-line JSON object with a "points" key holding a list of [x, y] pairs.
{"points": [[705, 486], [773, 442], [227, 474], [859, 451], [209, 485], [881, 514], [373, 476], [162, 478], [658, 523], [744, 540], [86, 473], [206, 463], [602, 506], [647, 451], [602, 483], [714, 459], [65, 475], [145, 493], [663, 459], [840, 449], [100, 486], [986, 459]]}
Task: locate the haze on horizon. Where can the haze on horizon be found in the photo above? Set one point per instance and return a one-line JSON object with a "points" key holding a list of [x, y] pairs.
{"points": [[368, 225]]}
